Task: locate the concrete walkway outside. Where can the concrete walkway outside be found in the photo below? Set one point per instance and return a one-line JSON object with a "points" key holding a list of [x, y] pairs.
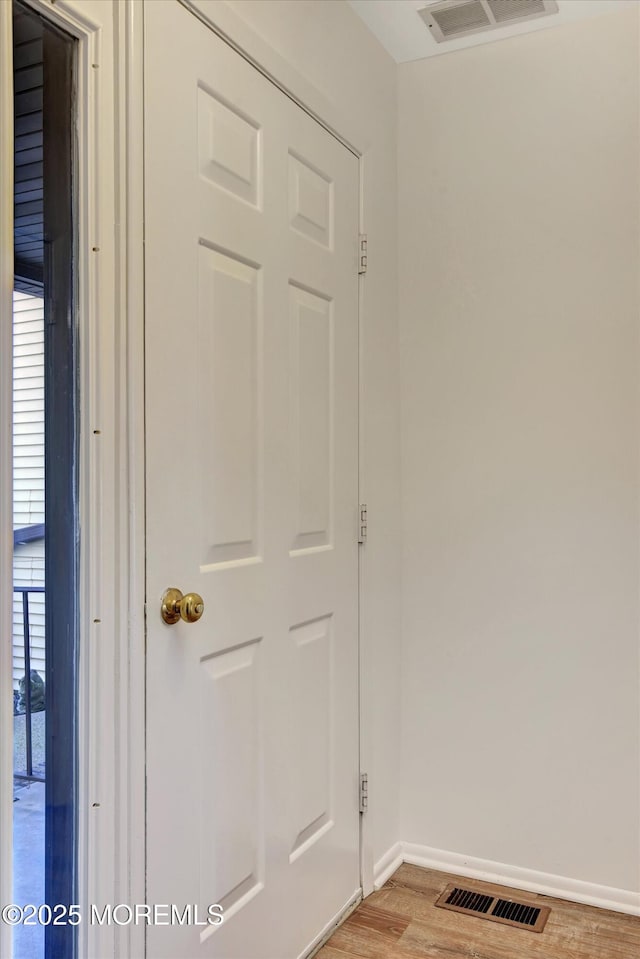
{"points": [[28, 835], [28, 865]]}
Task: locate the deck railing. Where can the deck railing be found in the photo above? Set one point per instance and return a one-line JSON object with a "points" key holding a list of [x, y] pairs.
{"points": [[24, 592]]}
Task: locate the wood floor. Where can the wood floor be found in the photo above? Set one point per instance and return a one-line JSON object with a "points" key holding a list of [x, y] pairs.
{"points": [[401, 922]]}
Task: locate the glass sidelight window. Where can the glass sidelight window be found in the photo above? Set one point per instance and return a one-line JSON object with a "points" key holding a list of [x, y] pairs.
{"points": [[45, 535]]}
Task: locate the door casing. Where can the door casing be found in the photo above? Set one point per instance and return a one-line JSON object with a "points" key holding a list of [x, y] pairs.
{"points": [[6, 460]]}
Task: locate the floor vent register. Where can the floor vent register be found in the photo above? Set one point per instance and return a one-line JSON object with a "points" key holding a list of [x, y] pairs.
{"points": [[471, 902]]}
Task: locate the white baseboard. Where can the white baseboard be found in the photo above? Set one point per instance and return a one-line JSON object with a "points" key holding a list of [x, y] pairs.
{"points": [[547, 884], [387, 865]]}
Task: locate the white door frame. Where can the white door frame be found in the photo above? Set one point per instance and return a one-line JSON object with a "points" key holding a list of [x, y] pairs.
{"points": [[110, 279], [6, 463]]}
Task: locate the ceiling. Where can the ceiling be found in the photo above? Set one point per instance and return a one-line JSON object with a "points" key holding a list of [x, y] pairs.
{"points": [[405, 36]]}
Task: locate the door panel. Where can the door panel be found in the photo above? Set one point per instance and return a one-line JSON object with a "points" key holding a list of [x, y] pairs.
{"points": [[251, 333], [228, 363], [311, 375]]}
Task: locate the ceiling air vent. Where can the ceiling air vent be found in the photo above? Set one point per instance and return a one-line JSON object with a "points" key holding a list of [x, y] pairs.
{"points": [[472, 902], [450, 19]]}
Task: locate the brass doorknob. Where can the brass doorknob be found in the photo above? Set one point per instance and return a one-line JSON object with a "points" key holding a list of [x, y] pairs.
{"points": [[175, 607]]}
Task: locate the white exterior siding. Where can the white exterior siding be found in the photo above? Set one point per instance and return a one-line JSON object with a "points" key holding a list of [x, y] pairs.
{"points": [[28, 472]]}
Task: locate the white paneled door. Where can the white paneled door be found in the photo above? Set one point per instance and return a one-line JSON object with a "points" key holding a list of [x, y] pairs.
{"points": [[252, 490]]}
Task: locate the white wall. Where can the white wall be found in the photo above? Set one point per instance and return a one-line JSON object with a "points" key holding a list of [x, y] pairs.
{"points": [[333, 50], [518, 252]]}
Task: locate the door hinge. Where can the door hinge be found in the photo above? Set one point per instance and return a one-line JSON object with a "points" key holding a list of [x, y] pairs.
{"points": [[362, 525], [364, 792], [362, 253]]}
